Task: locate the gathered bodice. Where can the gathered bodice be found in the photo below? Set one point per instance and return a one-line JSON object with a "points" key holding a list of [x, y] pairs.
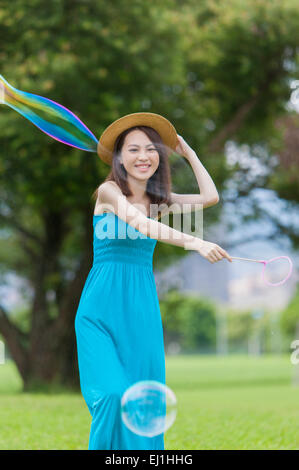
{"points": [[116, 241]]}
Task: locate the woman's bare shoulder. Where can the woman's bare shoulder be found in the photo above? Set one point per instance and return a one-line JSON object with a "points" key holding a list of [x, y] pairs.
{"points": [[108, 184], [102, 195]]}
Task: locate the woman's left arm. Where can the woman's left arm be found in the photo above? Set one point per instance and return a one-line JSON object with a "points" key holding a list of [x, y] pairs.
{"points": [[208, 193]]}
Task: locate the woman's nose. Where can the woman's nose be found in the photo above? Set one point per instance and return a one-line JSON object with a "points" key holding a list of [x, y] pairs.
{"points": [[142, 154]]}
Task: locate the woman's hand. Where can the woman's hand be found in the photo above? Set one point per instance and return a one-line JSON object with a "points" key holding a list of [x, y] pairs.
{"points": [[183, 148], [211, 251]]}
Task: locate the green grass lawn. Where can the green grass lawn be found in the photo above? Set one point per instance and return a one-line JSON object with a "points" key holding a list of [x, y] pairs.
{"points": [[232, 402]]}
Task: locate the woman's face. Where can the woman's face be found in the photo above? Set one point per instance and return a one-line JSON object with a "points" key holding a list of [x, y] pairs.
{"points": [[137, 151]]}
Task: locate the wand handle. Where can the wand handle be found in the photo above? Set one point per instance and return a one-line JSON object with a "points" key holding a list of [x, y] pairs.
{"points": [[248, 259]]}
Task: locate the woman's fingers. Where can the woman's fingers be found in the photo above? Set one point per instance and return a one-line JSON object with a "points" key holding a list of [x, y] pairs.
{"points": [[213, 252], [226, 255], [217, 254]]}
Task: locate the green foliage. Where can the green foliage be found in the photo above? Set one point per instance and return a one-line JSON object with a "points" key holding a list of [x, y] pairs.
{"points": [[243, 327], [188, 320], [239, 329], [105, 60], [212, 68], [21, 318], [289, 319], [191, 322]]}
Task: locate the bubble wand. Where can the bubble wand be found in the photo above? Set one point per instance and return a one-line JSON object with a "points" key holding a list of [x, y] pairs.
{"points": [[265, 262]]}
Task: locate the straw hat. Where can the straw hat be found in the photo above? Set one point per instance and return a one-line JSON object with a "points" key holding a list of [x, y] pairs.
{"points": [[165, 129]]}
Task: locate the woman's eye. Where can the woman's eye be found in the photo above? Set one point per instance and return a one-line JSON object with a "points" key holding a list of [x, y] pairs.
{"points": [[152, 150]]}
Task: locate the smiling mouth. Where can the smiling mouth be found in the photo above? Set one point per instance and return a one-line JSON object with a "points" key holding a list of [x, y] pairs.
{"points": [[143, 167]]}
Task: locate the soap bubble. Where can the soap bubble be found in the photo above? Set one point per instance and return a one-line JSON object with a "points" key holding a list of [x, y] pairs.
{"points": [[148, 408]]}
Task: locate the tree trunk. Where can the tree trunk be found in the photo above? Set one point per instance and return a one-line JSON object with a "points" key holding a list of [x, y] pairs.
{"points": [[55, 369], [46, 357]]}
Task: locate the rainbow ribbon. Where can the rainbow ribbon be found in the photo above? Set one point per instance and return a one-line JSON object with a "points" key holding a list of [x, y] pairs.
{"points": [[50, 117]]}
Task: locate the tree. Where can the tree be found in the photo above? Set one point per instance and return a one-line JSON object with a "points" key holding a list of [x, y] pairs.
{"points": [[85, 56], [242, 58], [217, 71]]}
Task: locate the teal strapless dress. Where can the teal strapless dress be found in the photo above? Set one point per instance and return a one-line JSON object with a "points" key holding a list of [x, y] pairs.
{"points": [[119, 331]]}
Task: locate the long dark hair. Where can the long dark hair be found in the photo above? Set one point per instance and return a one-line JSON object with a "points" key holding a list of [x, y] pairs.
{"points": [[159, 184]]}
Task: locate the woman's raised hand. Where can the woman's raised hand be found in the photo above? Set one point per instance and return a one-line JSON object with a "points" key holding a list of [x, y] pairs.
{"points": [[211, 251], [182, 148]]}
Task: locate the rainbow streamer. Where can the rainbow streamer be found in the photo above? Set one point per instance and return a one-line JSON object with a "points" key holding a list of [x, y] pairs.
{"points": [[50, 117]]}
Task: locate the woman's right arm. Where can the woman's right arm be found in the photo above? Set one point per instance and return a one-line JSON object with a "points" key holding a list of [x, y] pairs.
{"points": [[112, 198]]}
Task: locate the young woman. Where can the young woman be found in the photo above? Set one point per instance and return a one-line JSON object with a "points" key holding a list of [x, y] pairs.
{"points": [[118, 322]]}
